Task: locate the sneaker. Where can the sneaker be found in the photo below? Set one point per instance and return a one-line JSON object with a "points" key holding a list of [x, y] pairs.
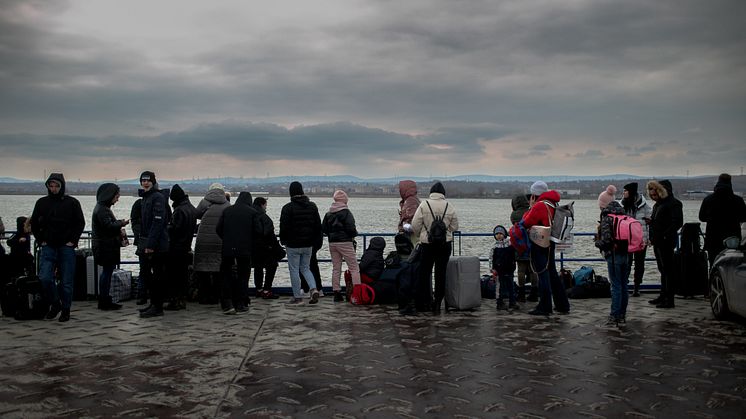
{"points": [[621, 321], [610, 321], [53, 312], [229, 311], [241, 309], [65, 316], [514, 306], [338, 296], [153, 311], [143, 310], [500, 305], [295, 302], [314, 297], [537, 312], [321, 293], [304, 294]]}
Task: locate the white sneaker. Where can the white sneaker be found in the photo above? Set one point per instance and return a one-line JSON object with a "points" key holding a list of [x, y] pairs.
{"points": [[304, 294], [321, 293]]}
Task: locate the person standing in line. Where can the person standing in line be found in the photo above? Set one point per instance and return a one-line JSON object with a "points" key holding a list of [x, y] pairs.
{"points": [[20, 259], [434, 254], [665, 222], [542, 203], [636, 206], [57, 223], [264, 256], [407, 207], [723, 212], [107, 240], [209, 246], [519, 204], [300, 232], [617, 261], [339, 226], [136, 222], [502, 264], [237, 227], [181, 231], [154, 242]]}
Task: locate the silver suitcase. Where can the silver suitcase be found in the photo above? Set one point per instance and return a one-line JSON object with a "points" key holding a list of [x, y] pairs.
{"points": [[463, 288]]}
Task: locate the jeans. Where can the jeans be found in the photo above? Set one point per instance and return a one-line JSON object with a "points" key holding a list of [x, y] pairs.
{"points": [[64, 258], [346, 251], [619, 268], [550, 284], [299, 261], [104, 282]]}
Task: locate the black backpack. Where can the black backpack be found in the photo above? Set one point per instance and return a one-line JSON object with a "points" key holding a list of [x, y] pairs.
{"points": [[438, 232]]}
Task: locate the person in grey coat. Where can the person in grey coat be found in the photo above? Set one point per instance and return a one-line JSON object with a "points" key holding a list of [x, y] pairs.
{"points": [[209, 247]]}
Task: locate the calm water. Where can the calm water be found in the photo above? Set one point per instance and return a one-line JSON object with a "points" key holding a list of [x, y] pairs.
{"points": [[380, 215]]}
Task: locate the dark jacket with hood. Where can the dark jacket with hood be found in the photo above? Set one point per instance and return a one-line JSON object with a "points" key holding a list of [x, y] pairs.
{"points": [[136, 222], [20, 259], [237, 227], [300, 223], [57, 219], [265, 243], [605, 237], [156, 215], [520, 207], [183, 223], [723, 212], [667, 217], [107, 229], [209, 247], [371, 264]]}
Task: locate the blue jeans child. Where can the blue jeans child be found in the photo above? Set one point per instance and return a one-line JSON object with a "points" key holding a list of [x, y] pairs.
{"points": [[506, 289], [619, 269]]}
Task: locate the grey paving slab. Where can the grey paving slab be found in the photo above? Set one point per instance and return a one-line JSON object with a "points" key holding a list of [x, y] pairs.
{"points": [[337, 360]]}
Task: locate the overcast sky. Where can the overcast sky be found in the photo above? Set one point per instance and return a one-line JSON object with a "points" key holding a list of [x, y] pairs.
{"points": [[103, 89]]}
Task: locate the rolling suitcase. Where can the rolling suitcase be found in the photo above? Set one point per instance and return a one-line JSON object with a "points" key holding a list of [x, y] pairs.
{"points": [[29, 303], [80, 282], [463, 284]]}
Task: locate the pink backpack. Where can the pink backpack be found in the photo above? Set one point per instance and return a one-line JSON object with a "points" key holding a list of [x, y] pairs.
{"points": [[628, 229]]}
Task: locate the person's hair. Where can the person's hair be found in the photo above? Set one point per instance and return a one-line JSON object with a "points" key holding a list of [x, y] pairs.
{"points": [[260, 200]]}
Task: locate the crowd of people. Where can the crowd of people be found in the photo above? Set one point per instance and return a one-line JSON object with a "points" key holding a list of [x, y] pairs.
{"points": [[233, 239]]}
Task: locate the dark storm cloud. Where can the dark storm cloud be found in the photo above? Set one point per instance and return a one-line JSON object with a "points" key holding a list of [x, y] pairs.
{"points": [[261, 141]]}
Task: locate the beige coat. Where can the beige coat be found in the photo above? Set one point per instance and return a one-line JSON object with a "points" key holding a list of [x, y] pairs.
{"points": [[422, 217]]}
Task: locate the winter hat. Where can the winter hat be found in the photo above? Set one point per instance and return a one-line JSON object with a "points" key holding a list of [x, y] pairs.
{"points": [[539, 187], [216, 185], [438, 188], [605, 197], [295, 188], [177, 194], [340, 196], [631, 188], [147, 175], [724, 178], [500, 229]]}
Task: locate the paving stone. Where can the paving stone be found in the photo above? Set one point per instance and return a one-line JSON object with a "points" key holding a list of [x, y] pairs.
{"points": [[337, 360]]}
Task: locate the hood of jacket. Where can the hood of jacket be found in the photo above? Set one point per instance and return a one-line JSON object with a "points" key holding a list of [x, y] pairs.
{"points": [[551, 195], [106, 193], [407, 188], [614, 207], [59, 177], [244, 198], [216, 196], [669, 187], [519, 202], [723, 188], [377, 244], [659, 188]]}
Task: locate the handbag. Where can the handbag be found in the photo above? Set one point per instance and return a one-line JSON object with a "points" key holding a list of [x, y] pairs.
{"points": [[539, 235]]}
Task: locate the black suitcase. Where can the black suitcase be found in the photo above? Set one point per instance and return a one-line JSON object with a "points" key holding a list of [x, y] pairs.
{"points": [[690, 264], [29, 303]]}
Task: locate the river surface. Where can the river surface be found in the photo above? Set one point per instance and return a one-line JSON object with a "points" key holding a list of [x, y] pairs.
{"points": [[380, 215]]}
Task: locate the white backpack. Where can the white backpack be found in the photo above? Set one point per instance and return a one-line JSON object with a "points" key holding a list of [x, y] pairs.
{"points": [[563, 221]]}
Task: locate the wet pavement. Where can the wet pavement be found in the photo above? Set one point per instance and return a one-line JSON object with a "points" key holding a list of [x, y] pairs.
{"points": [[341, 361]]}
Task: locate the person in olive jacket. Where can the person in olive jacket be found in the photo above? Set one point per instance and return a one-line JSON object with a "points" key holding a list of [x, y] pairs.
{"points": [[665, 222], [237, 227], [107, 240], [57, 223], [181, 231]]}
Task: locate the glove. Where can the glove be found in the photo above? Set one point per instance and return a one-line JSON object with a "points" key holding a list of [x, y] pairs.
{"points": [[407, 227]]}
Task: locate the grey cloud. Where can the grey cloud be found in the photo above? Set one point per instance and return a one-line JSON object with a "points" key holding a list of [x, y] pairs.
{"points": [[589, 154]]}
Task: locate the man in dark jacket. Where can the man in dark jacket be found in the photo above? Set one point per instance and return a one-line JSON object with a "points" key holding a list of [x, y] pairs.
{"points": [[266, 254], [665, 222], [723, 212], [300, 232], [153, 242], [237, 227], [180, 234], [57, 223]]}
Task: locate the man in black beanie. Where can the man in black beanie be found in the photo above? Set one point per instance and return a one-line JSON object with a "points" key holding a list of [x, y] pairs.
{"points": [[723, 212], [154, 242], [636, 206], [300, 232]]}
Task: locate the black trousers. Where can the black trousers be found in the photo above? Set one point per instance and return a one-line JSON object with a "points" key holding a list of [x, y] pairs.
{"points": [[260, 268], [664, 259], [234, 288], [154, 276], [316, 274], [639, 260], [178, 274], [433, 255]]}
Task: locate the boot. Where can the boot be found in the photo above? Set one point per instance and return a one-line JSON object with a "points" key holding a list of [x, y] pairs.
{"points": [[636, 290], [105, 304], [521, 294], [533, 295]]}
